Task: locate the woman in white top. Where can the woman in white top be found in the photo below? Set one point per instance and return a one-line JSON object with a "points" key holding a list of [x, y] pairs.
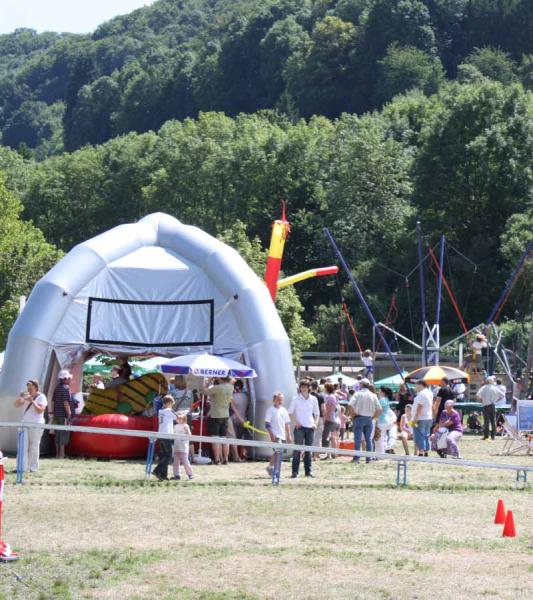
{"points": [[34, 404]]}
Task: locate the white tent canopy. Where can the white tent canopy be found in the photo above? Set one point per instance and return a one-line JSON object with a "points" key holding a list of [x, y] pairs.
{"points": [[153, 287]]}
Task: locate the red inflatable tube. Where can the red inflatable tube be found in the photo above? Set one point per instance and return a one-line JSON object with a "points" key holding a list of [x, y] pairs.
{"points": [[110, 446]]}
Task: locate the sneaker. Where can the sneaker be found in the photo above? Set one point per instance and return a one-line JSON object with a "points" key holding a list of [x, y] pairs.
{"points": [[270, 470], [294, 475], [310, 475], [190, 476], [177, 477]]}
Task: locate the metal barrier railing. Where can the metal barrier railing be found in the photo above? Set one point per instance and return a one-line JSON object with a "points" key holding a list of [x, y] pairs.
{"points": [[152, 436]]}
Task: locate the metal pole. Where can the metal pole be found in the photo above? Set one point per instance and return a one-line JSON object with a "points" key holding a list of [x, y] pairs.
{"points": [[402, 337], [439, 299], [422, 294], [20, 455], [150, 458], [439, 285], [510, 283], [362, 300]]}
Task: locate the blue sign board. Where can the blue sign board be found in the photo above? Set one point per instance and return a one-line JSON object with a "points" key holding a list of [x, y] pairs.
{"points": [[525, 415]]}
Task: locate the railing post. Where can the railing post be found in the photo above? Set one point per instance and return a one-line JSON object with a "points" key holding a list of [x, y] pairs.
{"points": [[401, 473], [20, 454], [149, 458], [521, 476]]}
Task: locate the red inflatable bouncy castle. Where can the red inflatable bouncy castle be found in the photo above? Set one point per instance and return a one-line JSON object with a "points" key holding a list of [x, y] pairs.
{"points": [[110, 446]]}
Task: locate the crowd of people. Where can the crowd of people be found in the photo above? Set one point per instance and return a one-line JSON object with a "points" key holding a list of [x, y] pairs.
{"points": [[321, 415], [426, 418]]}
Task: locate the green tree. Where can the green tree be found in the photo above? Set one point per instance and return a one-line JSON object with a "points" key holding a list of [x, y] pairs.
{"points": [[474, 172], [406, 68], [321, 78], [33, 124], [526, 71], [95, 104], [288, 304], [405, 22], [493, 63], [25, 257], [282, 40]]}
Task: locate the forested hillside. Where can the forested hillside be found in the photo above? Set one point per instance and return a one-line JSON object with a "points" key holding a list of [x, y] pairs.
{"points": [[302, 57], [365, 115]]}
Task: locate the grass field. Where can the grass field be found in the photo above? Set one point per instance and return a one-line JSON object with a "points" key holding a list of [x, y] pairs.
{"points": [[88, 529]]}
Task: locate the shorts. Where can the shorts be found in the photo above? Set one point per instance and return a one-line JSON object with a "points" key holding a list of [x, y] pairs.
{"points": [[62, 437], [217, 427], [230, 430]]}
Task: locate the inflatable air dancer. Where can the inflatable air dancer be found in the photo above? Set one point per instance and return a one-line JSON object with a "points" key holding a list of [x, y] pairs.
{"points": [[280, 232]]}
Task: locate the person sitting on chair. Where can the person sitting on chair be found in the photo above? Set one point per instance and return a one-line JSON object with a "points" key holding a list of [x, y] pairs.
{"points": [[450, 422], [116, 378], [474, 422]]}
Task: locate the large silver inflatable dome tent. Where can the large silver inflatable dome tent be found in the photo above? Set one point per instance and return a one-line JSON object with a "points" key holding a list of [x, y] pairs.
{"points": [[156, 286]]}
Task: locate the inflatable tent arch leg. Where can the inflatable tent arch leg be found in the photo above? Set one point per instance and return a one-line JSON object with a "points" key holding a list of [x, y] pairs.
{"points": [[55, 316]]}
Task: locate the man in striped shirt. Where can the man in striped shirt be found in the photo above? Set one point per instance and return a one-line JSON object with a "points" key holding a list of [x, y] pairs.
{"points": [[62, 410]]}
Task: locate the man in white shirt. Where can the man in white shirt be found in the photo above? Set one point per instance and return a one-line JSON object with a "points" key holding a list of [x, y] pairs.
{"points": [[489, 395], [98, 382], [364, 406], [422, 417], [503, 390], [278, 425], [304, 411]]}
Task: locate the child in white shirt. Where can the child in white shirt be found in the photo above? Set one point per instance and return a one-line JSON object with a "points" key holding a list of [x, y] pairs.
{"points": [[368, 362], [181, 447], [166, 419], [278, 425]]}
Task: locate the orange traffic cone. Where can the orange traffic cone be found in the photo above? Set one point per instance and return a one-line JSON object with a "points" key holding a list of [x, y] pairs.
{"points": [[499, 517], [509, 529]]}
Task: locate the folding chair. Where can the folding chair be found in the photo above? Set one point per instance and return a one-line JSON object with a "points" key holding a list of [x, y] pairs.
{"points": [[515, 441]]}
